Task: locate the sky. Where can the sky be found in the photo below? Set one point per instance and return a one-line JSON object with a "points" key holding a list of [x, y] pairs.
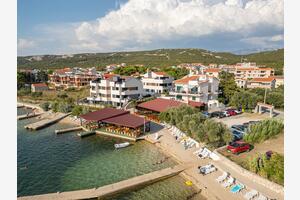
{"points": [[89, 26]]}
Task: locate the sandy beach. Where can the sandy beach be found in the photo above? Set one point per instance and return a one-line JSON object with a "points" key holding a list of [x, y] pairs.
{"points": [[209, 187]]}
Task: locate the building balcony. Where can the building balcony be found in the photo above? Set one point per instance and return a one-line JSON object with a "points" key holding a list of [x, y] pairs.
{"points": [[185, 93]]}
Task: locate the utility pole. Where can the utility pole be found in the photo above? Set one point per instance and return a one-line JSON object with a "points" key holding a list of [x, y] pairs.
{"points": [[265, 95]]}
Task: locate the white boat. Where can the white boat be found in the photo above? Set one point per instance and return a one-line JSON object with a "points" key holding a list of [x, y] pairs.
{"points": [[122, 145]]}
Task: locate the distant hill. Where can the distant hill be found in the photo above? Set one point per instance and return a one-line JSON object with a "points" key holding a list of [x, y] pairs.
{"points": [[159, 57]]}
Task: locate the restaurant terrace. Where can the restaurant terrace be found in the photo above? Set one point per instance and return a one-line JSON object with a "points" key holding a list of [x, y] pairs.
{"points": [[152, 108], [115, 121]]}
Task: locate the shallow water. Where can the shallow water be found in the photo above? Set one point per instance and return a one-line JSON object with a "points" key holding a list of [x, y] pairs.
{"points": [[49, 163]]}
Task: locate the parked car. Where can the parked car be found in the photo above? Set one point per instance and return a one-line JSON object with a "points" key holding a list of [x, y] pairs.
{"points": [[206, 114], [238, 111], [238, 147], [239, 127], [236, 137], [226, 114], [218, 114], [231, 112]]}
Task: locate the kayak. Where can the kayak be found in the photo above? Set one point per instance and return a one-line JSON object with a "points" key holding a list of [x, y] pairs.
{"points": [[122, 145]]}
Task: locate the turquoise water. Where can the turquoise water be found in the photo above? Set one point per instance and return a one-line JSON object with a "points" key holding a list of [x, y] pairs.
{"points": [[170, 189], [49, 163]]}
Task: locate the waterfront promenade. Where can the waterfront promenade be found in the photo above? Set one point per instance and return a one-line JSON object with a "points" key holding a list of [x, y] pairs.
{"points": [[112, 189], [45, 122], [208, 185]]}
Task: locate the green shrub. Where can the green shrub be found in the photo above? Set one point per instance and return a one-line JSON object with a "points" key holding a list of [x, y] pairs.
{"points": [[45, 106], [36, 94], [24, 92], [264, 130], [272, 169], [62, 95], [195, 125]]}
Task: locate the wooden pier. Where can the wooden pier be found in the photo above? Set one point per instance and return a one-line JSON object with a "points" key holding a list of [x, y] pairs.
{"points": [[61, 131], [46, 122], [27, 116], [112, 189]]}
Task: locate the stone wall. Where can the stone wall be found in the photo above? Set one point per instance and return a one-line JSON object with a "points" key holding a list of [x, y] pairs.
{"points": [[250, 175]]}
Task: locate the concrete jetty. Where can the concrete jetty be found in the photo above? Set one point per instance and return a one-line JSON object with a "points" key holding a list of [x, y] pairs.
{"points": [[45, 122], [27, 116], [85, 134], [79, 128], [108, 190]]}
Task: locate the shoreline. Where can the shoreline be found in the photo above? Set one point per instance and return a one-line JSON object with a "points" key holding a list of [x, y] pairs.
{"points": [[210, 189]]}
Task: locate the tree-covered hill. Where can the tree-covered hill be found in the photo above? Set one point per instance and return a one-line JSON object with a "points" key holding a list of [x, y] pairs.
{"points": [[159, 57]]}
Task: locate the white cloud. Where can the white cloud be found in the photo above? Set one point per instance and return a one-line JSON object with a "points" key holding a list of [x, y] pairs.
{"points": [[142, 22], [266, 41], [25, 43]]}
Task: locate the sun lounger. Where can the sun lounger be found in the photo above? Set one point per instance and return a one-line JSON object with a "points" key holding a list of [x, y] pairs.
{"points": [[198, 151], [229, 182], [207, 169], [237, 188], [223, 177], [251, 195], [204, 154], [262, 197]]}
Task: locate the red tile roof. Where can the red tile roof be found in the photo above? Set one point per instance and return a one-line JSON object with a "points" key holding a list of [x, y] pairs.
{"points": [[39, 85], [62, 71], [103, 114], [161, 73], [196, 104], [269, 79], [186, 79], [160, 105], [127, 120], [212, 70], [108, 76]]}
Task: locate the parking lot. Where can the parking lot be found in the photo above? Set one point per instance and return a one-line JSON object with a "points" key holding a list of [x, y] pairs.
{"points": [[245, 117]]}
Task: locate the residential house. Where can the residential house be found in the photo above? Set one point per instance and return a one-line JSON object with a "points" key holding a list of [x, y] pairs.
{"points": [[115, 90], [212, 72], [39, 87], [198, 88], [157, 82], [75, 77], [279, 81]]}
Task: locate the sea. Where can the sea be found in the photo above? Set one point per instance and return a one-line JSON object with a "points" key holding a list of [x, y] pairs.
{"points": [[49, 163]]}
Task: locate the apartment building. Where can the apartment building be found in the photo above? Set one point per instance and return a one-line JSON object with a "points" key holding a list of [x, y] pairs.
{"points": [[115, 89], [244, 72], [75, 77], [268, 83], [196, 88], [157, 82]]}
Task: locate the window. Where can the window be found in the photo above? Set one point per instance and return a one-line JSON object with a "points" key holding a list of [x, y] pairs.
{"points": [[193, 98]]}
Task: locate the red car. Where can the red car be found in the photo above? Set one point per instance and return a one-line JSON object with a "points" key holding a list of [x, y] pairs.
{"points": [[238, 147], [231, 112]]}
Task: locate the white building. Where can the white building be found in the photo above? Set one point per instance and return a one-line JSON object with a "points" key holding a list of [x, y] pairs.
{"points": [[115, 89], [247, 71], [157, 82], [199, 88]]}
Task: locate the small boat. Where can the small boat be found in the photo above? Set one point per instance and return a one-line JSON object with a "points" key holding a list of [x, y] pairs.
{"points": [[122, 145]]}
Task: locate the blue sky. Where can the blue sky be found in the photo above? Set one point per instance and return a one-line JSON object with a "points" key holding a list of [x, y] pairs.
{"points": [[78, 26]]}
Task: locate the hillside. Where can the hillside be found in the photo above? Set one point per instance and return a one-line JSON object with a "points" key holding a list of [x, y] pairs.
{"points": [[159, 57]]}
